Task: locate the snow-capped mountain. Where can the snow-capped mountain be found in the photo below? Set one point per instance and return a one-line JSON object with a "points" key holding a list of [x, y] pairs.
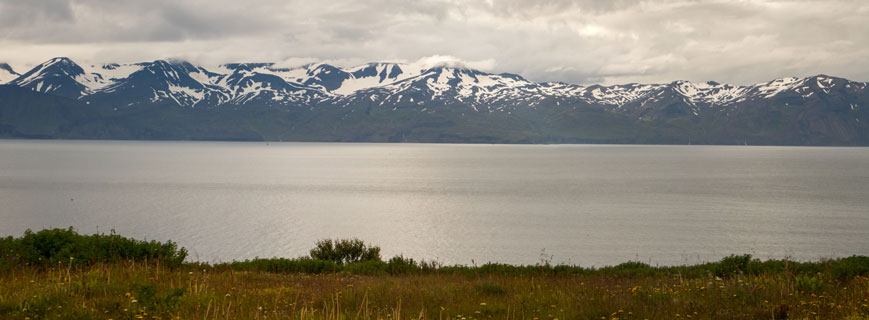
{"points": [[184, 84], [449, 85], [58, 76], [170, 99]]}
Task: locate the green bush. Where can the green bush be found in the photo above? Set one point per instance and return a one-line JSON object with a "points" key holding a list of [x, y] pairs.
{"points": [[850, 267], [808, 283], [568, 270], [507, 269], [733, 264], [51, 247], [368, 268], [401, 265], [282, 265], [630, 268], [341, 251], [66, 246]]}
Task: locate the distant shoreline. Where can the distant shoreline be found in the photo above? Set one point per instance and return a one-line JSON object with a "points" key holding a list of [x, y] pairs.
{"points": [[428, 143]]}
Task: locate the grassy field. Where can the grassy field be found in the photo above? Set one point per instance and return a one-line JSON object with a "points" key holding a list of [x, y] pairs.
{"points": [[139, 286]]}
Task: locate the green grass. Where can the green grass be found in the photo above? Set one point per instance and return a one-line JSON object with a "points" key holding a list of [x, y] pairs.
{"points": [[144, 287]]}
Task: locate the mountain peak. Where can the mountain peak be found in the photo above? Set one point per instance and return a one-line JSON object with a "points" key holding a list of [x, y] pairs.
{"points": [[62, 63], [442, 62], [56, 76], [247, 66], [6, 73], [171, 63], [7, 67], [61, 60], [454, 68], [326, 76]]}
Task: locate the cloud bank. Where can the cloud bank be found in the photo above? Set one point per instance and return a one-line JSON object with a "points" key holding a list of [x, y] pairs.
{"points": [[584, 41]]}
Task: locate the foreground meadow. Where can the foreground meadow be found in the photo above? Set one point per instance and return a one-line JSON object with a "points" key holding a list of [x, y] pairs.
{"points": [[38, 284]]}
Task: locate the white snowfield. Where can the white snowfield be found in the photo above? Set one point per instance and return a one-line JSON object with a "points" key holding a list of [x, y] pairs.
{"points": [[393, 84]]}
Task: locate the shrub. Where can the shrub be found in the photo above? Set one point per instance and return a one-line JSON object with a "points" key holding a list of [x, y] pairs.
{"points": [[568, 270], [368, 268], [283, 265], [850, 267], [343, 251], [506, 269], [401, 265], [53, 246], [630, 268], [808, 283], [733, 264]]}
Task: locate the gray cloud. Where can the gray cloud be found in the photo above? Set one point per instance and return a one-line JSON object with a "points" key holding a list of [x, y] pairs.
{"points": [[31, 13], [583, 41]]}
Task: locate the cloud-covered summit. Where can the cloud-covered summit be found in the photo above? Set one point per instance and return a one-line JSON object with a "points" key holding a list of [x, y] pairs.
{"points": [[583, 41]]}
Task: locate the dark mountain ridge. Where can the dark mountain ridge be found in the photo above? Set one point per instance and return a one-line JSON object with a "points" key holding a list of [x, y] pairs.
{"points": [[381, 102]]}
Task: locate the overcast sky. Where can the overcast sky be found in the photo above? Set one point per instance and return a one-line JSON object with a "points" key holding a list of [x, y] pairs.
{"points": [[584, 41]]}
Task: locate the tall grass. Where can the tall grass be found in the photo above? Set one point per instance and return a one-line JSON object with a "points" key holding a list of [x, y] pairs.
{"points": [[127, 280], [130, 290]]}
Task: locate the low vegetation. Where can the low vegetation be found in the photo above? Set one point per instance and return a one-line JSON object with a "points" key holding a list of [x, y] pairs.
{"points": [[66, 247], [343, 251], [112, 277]]}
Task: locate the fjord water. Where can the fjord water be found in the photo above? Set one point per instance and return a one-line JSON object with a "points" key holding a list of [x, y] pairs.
{"points": [[590, 205]]}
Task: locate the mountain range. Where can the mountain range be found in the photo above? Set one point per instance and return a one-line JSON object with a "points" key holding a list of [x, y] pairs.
{"points": [[415, 102]]}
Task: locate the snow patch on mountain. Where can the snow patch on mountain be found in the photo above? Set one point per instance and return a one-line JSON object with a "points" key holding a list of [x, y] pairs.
{"points": [[777, 86], [708, 93], [97, 77], [620, 95]]}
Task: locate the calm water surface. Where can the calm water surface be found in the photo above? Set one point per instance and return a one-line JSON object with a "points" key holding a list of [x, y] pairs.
{"points": [[579, 204]]}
